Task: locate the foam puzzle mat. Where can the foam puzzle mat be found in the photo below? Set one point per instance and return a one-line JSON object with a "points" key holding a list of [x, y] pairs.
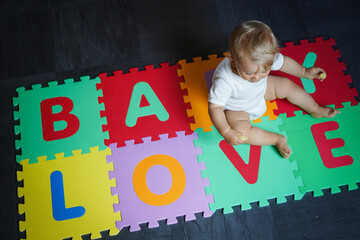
{"points": [[121, 150]]}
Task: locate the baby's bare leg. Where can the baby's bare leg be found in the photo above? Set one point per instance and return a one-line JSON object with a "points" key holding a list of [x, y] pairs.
{"points": [[240, 121], [280, 87]]}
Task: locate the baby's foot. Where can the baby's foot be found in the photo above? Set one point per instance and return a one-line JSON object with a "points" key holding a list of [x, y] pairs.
{"points": [[283, 148], [327, 112]]}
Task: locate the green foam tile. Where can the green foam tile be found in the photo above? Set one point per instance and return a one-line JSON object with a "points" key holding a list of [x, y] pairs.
{"points": [[227, 185], [315, 174], [86, 108]]}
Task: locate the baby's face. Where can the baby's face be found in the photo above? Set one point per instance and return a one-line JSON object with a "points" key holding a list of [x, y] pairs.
{"points": [[250, 70]]}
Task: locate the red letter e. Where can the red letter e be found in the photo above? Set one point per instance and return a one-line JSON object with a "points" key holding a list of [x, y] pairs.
{"points": [[326, 145]]}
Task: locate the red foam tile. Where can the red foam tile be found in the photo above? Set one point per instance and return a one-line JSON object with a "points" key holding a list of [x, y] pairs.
{"points": [[117, 92], [334, 89]]}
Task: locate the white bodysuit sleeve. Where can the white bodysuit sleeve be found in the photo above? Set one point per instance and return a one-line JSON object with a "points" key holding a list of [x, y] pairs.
{"points": [[278, 62], [220, 92]]}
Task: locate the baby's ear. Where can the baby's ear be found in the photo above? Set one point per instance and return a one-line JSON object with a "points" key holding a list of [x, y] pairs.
{"points": [[231, 59]]}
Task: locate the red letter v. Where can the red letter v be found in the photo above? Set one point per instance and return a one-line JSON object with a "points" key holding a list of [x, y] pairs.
{"points": [[248, 171]]}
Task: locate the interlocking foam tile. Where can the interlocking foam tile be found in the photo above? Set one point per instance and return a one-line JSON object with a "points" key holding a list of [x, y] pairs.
{"points": [[270, 107], [334, 89], [195, 83], [159, 180], [81, 202], [59, 118], [242, 174], [326, 150], [143, 103]]}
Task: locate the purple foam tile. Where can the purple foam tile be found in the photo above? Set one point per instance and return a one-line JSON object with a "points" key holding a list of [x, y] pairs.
{"points": [[159, 180], [208, 78]]}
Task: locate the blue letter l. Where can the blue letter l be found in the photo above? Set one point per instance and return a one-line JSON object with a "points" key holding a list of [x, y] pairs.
{"points": [[60, 212]]}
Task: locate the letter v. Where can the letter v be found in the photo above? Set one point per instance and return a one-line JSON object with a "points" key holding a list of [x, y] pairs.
{"points": [[248, 171]]}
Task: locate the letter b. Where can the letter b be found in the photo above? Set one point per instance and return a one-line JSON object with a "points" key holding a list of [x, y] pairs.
{"points": [[48, 118]]}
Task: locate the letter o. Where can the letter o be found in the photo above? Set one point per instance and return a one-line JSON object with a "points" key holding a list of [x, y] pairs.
{"points": [[178, 180]]}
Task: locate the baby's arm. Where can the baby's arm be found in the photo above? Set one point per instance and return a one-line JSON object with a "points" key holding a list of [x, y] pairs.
{"points": [[218, 118], [292, 67]]}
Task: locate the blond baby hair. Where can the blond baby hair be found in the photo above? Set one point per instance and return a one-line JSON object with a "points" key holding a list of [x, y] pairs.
{"points": [[254, 41]]}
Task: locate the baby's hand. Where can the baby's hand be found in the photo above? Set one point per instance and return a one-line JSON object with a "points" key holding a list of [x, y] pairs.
{"points": [[315, 72], [234, 137]]}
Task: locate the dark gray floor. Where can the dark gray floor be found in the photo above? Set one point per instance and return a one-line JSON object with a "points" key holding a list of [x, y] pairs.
{"points": [[43, 41]]}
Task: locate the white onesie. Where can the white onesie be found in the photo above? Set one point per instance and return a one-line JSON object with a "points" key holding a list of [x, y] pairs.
{"points": [[233, 92]]}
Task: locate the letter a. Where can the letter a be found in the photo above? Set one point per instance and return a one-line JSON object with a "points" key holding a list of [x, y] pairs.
{"points": [[155, 107], [48, 118]]}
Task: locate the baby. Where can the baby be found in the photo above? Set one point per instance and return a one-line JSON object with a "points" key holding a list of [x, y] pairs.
{"points": [[242, 84]]}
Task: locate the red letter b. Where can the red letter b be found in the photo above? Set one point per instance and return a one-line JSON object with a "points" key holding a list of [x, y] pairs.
{"points": [[48, 118]]}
